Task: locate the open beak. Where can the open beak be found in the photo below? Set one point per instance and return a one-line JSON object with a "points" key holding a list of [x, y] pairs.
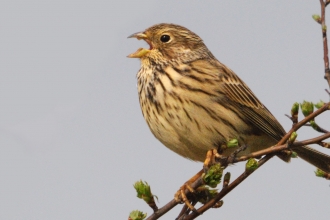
{"points": [[138, 35], [141, 51]]}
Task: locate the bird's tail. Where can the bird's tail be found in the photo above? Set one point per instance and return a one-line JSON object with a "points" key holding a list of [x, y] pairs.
{"points": [[314, 157]]}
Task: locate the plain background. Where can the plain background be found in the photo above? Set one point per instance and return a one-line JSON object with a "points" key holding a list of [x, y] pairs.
{"points": [[72, 137]]}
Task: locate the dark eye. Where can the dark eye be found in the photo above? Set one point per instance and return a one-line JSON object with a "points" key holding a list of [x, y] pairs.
{"points": [[165, 38]]}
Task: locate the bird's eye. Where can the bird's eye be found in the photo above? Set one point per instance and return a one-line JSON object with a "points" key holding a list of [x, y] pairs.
{"points": [[165, 38]]}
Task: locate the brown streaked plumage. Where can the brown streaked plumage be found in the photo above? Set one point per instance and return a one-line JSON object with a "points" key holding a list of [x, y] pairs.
{"points": [[193, 103]]}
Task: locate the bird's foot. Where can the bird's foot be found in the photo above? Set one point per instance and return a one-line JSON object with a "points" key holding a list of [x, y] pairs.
{"points": [[181, 196], [212, 157]]}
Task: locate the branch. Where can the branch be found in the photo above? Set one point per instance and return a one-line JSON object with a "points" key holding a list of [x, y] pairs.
{"points": [[311, 141], [325, 41], [325, 145], [317, 128], [278, 148], [226, 190], [325, 107], [172, 203], [327, 2]]}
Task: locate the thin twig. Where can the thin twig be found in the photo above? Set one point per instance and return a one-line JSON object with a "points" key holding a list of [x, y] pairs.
{"points": [[279, 148], [327, 2], [325, 41], [262, 152], [163, 210], [327, 176], [319, 129], [327, 92], [325, 107], [183, 211], [324, 144], [310, 141], [293, 119]]}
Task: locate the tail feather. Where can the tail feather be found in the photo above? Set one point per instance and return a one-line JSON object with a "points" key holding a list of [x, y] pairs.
{"points": [[314, 157]]}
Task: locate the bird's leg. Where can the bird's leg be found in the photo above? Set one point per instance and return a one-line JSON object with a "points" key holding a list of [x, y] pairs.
{"points": [[180, 195], [211, 157]]}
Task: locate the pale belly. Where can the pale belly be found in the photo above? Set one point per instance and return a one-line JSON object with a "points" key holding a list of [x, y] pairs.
{"points": [[191, 123]]}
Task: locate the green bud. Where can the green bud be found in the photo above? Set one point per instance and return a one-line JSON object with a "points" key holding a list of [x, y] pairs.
{"points": [[319, 104], [313, 124], [324, 28], [232, 143], [137, 215], [307, 108], [293, 137], [227, 177], [143, 191], [294, 154], [213, 176], [218, 204], [319, 173], [316, 17], [251, 165], [295, 108]]}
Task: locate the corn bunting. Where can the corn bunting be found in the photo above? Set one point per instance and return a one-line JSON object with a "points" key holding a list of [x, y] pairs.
{"points": [[193, 103]]}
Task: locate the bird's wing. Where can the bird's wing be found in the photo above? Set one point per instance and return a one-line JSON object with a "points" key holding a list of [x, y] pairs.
{"points": [[238, 92]]}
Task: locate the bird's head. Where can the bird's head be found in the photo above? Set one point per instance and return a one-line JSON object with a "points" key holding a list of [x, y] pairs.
{"points": [[167, 41]]}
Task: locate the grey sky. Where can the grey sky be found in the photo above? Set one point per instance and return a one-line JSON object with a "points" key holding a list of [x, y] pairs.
{"points": [[73, 140]]}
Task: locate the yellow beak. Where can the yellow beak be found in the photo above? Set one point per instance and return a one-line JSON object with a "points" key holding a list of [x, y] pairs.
{"points": [[141, 51]]}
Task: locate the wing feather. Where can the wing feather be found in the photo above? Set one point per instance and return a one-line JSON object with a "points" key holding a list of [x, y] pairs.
{"points": [[241, 95]]}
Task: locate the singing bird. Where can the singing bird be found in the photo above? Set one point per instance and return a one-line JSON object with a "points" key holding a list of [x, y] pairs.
{"points": [[193, 103]]}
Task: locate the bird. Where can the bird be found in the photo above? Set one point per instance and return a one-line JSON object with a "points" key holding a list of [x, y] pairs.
{"points": [[193, 103]]}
